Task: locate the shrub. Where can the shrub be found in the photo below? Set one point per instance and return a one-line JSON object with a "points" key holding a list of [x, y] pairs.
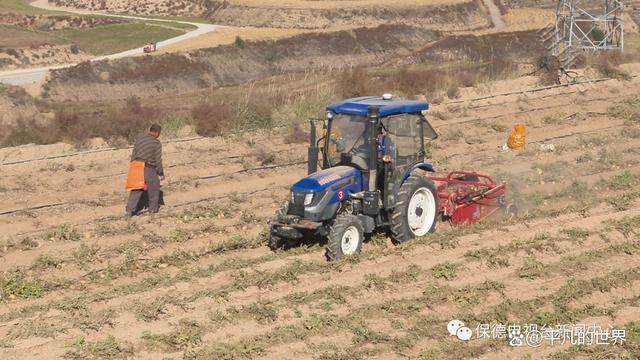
{"points": [[548, 70], [417, 81], [356, 82], [257, 113], [171, 126], [63, 232], [239, 42], [296, 136], [115, 126], [211, 119], [76, 127], [607, 65], [25, 131], [597, 34], [108, 348], [18, 285], [453, 92], [468, 78], [264, 157]]}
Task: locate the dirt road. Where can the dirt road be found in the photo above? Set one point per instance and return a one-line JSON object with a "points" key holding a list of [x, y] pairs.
{"points": [[494, 12], [28, 76]]}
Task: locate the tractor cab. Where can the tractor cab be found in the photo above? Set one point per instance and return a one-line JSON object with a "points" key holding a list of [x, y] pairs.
{"points": [[382, 137]]}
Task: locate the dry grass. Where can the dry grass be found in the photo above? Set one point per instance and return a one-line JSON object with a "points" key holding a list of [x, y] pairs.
{"points": [[108, 348], [332, 4], [260, 105], [226, 36], [356, 82], [211, 119], [117, 126], [607, 65], [296, 136], [264, 157]]}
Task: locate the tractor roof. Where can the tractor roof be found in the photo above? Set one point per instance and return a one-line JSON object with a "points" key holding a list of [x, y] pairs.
{"points": [[359, 106]]}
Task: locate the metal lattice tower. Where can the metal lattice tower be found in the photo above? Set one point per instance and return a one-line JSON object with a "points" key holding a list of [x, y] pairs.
{"points": [[577, 28]]}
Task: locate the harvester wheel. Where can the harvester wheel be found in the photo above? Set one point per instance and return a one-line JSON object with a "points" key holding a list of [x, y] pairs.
{"points": [[345, 237], [416, 209]]}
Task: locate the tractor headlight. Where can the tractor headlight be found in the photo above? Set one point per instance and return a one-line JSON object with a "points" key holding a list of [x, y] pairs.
{"points": [[308, 198], [293, 197]]}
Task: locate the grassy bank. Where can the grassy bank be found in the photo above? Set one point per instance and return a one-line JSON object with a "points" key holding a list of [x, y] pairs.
{"points": [[111, 39]]}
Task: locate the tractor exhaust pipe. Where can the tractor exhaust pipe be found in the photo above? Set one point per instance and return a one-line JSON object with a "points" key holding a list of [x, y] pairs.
{"points": [[374, 118], [312, 152]]}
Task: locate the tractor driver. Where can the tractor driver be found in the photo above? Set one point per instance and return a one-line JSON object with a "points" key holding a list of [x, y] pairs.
{"points": [[385, 148], [385, 145]]}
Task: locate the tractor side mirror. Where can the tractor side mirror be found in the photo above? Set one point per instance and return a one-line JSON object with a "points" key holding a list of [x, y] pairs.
{"points": [[429, 132]]}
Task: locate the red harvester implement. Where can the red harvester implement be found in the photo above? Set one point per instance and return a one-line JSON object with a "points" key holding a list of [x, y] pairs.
{"points": [[467, 197]]}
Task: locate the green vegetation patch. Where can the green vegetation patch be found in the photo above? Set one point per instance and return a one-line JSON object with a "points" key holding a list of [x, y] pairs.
{"points": [[108, 348], [12, 37], [18, 285], [114, 38], [21, 6]]}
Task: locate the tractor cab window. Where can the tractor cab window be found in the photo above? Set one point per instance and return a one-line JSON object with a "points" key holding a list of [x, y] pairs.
{"points": [[347, 135], [406, 137]]}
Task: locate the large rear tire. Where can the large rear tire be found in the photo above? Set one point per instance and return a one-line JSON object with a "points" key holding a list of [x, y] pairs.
{"points": [[416, 209], [345, 237]]}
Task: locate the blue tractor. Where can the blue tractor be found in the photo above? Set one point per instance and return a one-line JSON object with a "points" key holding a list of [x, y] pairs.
{"points": [[370, 148]]}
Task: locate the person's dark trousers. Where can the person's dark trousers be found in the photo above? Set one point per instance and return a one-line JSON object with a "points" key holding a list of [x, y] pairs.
{"points": [[153, 188]]}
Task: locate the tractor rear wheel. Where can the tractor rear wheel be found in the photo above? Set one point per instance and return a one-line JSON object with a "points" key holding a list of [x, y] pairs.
{"points": [[345, 237], [416, 209]]}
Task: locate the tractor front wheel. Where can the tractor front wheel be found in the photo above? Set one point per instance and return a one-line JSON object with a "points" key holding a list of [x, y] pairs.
{"points": [[416, 209], [276, 242], [345, 237]]}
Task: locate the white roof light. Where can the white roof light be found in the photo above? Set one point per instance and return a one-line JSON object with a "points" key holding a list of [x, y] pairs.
{"points": [[387, 96]]}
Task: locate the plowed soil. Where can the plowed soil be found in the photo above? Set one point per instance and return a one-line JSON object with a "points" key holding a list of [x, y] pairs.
{"points": [[198, 281]]}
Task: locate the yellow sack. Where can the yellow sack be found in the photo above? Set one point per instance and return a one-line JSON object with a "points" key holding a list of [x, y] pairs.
{"points": [[135, 178], [517, 137]]}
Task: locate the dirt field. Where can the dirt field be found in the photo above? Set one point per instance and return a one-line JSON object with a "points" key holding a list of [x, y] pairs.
{"points": [[198, 282]]}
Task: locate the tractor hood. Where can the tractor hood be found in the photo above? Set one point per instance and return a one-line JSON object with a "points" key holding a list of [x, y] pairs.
{"points": [[340, 176]]}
